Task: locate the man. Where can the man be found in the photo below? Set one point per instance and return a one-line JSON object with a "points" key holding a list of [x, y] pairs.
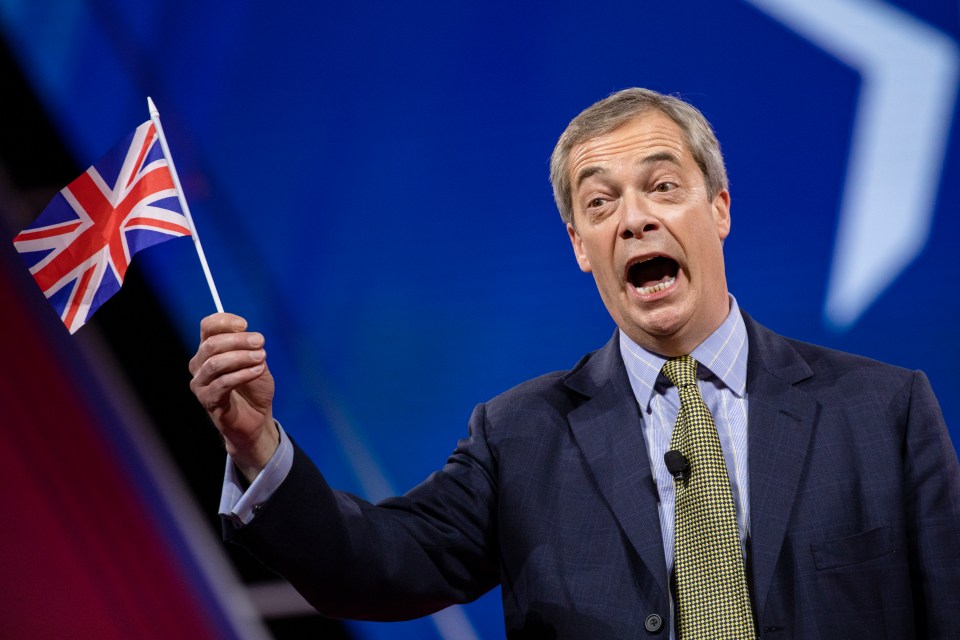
{"points": [[697, 477]]}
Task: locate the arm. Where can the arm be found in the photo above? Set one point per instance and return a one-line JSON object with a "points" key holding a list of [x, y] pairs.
{"points": [[933, 512], [402, 558]]}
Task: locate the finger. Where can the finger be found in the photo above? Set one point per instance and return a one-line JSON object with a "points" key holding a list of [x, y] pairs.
{"points": [[221, 323], [222, 364], [217, 395], [225, 343]]}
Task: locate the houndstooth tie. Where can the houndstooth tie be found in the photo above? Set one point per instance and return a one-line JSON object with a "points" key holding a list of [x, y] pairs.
{"points": [[712, 596]]}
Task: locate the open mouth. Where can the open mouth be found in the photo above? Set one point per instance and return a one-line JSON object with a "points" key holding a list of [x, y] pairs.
{"points": [[653, 275]]}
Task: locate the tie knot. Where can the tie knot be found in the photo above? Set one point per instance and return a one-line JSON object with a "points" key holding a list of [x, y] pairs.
{"points": [[682, 371]]}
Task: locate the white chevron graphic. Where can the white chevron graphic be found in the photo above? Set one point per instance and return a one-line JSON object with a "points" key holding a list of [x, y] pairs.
{"points": [[909, 73]]}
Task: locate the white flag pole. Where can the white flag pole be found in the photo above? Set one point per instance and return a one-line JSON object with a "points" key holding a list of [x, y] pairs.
{"points": [[155, 117]]}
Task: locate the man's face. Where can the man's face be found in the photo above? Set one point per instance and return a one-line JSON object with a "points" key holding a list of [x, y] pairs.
{"points": [[646, 230]]}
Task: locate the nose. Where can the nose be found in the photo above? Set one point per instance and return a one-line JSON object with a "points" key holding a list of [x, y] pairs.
{"points": [[637, 218]]}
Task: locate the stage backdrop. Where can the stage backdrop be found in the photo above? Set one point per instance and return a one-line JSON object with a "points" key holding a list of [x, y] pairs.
{"points": [[370, 182]]}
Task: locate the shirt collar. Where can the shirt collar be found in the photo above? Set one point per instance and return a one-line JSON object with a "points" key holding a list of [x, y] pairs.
{"points": [[723, 354]]}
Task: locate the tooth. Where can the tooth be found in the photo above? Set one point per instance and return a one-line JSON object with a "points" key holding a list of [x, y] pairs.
{"points": [[660, 286]]}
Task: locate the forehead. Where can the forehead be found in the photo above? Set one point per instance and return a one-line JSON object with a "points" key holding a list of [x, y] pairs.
{"points": [[649, 135]]}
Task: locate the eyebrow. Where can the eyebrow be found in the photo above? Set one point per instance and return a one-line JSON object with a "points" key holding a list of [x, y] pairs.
{"points": [[660, 156], [587, 172]]}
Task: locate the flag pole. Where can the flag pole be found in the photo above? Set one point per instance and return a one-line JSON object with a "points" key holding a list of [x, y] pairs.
{"points": [[155, 117]]}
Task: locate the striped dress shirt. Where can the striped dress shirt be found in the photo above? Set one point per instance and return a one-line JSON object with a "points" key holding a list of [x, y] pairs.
{"points": [[722, 378]]}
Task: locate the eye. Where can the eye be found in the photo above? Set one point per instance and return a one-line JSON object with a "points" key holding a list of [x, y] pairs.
{"points": [[664, 187], [596, 202]]}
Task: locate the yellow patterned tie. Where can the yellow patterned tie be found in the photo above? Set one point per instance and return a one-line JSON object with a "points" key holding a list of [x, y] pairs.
{"points": [[712, 596]]}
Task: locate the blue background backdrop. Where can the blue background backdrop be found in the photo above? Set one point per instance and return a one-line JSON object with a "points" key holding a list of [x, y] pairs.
{"points": [[370, 184]]}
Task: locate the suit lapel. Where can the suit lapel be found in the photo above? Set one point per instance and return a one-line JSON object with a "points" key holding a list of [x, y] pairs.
{"points": [[607, 428], [781, 421]]}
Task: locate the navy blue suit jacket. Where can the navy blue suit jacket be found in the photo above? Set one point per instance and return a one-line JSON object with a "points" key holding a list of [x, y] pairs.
{"points": [[854, 498]]}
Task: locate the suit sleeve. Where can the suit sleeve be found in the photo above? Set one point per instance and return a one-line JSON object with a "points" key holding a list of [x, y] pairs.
{"points": [[402, 558], [933, 515]]}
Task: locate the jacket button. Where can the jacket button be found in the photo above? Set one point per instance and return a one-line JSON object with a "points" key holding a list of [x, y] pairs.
{"points": [[653, 623]]}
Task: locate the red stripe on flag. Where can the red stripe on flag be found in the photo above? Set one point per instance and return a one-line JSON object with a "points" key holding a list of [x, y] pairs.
{"points": [[147, 141], [157, 224], [28, 234], [74, 306]]}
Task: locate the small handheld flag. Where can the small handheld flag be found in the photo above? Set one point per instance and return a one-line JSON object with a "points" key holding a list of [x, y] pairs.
{"points": [[79, 248]]}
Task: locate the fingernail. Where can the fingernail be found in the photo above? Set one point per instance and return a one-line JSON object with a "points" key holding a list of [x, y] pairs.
{"points": [[256, 340], [239, 324]]}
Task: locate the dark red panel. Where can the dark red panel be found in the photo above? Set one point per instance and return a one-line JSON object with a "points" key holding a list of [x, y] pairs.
{"points": [[80, 553]]}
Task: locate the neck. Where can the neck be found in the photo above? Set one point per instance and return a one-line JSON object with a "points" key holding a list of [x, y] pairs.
{"points": [[687, 338]]}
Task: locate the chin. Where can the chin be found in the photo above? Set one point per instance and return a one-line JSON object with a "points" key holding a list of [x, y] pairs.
{"points": [[661, 322]]}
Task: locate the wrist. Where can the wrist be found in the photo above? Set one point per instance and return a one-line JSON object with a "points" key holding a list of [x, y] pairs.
{"points": [[252, 457]]}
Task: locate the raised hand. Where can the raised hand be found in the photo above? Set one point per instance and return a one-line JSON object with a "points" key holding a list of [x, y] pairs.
{"points": [[233, 383]]}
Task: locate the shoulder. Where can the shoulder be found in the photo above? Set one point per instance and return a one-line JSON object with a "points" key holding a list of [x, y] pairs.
{"points": [[547, 392], [823, 370], [549, 398], [838, 363]]}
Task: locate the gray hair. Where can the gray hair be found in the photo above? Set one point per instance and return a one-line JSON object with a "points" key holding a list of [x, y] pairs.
{"points": [[606, 115]]}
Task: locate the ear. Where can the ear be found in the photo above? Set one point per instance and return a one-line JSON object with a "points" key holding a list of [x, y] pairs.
{"points": [[721, 213], [578, 251]]}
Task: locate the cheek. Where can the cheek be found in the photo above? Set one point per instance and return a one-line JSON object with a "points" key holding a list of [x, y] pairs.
{"points": [[706, 240], [707, 261], [595, 250]]}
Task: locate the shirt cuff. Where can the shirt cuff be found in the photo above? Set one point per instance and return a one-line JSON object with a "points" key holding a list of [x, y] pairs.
{"points": [[239, 505]]}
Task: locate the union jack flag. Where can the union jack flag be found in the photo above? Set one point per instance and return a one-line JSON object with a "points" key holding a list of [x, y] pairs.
{"points": [[80, 246]]}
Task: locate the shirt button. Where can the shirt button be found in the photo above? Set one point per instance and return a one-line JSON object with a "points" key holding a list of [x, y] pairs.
{"points": [[653, 623], [257, 508]]}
